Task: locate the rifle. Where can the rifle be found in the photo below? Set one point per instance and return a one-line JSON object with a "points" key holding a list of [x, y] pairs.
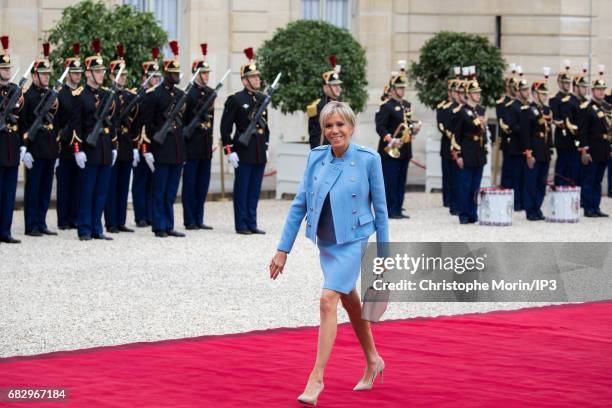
{"points": [[44, 106], [201, 113], [139, 94], [259, 109], [160, 135], [11, 99], [101, 114]]}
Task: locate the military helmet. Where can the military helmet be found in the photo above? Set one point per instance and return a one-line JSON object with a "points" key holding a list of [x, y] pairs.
{"points": [[172, 64], [565, 76], [42, 65], [119, 62], [399, 79], [5, 58], [152, 67], [95, 62], [74, 63], [581, 79], [332, 77], [508, 80], [541, 86], [600, 81], [249, 68], [201, 63]]}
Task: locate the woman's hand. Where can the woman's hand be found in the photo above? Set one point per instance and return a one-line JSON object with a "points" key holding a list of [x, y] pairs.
{"points": [[277, 264]]}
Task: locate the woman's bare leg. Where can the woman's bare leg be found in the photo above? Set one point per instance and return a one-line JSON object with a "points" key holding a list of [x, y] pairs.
{"points": [[352, 305], [328, 306]]}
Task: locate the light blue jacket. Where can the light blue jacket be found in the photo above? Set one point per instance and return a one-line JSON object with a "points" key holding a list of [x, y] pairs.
{"points": [[354, 188]]}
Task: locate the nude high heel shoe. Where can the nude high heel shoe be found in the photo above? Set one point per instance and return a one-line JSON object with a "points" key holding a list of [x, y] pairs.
{"points": [[311, 399], [361, 385]]}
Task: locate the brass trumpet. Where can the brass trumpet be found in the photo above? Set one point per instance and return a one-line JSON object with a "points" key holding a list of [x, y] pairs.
{"points": [[404, 133]]}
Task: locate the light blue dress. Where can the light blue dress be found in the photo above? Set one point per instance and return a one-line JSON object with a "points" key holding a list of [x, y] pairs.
{"points": [[336, 198], [341, 263]]}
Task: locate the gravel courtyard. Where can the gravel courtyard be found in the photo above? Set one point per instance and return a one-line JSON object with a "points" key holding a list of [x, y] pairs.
{"points": [[57, 293]]}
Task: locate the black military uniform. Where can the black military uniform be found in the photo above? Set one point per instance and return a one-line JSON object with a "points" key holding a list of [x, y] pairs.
{"points": [[470, 135], [535, 139], [248, 176], [96, 171], [115, 210], [10, 144], [566, 165], [169, 155], [43, 149], [199, 145], [315, 136], [67, 171], [394, 118], [504, 135], [595, 140], [443, 116]]}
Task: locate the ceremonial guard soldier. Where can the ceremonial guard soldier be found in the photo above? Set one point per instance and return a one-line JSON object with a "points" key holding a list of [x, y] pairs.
{"points": [[331, 92], [470, 145], [609, 100], [504, 130], [248, 161], [165, 150], [443, 117], [42, 148], [595, 122], [115, 211], [578, 101], [94, 154], [67, 172], [453, 113], [535, 138], [11, 143], [142, 183], [396, 128], [199, 146], [566, 166], [512, 117]]}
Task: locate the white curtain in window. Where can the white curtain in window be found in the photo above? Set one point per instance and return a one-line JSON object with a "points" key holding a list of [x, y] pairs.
{"points": [[310, 9], [336, 12]]}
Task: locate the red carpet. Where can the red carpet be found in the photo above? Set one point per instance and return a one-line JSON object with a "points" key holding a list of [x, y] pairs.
{"points": [[558, 356]]}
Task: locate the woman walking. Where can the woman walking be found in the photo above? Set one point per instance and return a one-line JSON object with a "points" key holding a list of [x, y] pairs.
{"points": [[341, 183]]}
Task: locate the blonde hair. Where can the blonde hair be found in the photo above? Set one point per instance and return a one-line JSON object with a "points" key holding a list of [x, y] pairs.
{"points": [[342, 109]]}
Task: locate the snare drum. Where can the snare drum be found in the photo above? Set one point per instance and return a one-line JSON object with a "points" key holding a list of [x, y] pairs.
{"points": [[495, 206], [563, 204]]}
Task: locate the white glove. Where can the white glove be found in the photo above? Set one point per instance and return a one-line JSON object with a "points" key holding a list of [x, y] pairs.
{"points": [[150, 160], [114, 152], [56, 164], [267, 155], [136, 158], [80, 158], [233, 159], [22, 152], [28, 160]]}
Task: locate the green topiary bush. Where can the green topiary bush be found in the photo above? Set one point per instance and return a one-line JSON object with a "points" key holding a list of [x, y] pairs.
{"points": [[445, 50], [300, 51], [89, 19]]}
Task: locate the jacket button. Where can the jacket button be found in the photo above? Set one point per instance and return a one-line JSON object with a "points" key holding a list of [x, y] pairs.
{"points": [[353, 227], [354, 211], [310, 208], [354, 195], [352, 163], [309, 225], [315, 178]]}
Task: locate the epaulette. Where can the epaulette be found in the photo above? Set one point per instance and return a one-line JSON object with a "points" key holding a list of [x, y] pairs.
{"points": [[151, 89], [384, 101], [448, 104], [132, 91], [77, 92], [322, 147], [104, 88], [366, 149], [311, 110], [510, 102], [584, 105], [441, 105], [525, 107], [458, 108], [566, 98], [500, 100]]}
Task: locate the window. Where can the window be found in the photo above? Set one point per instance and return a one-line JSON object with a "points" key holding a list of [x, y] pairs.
{"points": [[335, 12], [166, 12]]}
